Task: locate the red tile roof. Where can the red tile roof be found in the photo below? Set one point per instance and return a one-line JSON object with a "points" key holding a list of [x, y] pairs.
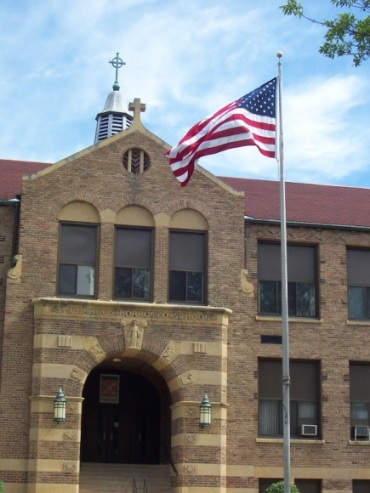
{"points": [[11, 173], [305, 203]]}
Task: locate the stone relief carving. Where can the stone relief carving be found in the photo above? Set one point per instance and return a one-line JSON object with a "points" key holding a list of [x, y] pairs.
{"points": [[64, 341], [246, 286], [187, 378], [70, 435], [69, 466], [77, 374], [92, 345], [190, 411], [169, 353], [190, 439], [16, 271], [133, 331], [200, 347], [189, 469]]}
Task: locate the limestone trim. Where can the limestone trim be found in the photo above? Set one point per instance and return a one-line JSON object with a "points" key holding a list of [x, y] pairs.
{"points": [[16, 272], [293, 440], [295, 320], [77, 309]]}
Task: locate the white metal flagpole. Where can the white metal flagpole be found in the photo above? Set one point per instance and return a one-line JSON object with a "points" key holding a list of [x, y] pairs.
{"points": [[284, 298]]}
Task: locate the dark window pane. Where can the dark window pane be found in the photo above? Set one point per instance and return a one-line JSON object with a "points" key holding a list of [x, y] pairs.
{"points": [[308, 485], [305, 300], [187, 251], [301, 280], [133, 248], [268, 297], [304, 394], [133, 260], [356, 302], [361, 486], [140, 284], [67, 279], [177, 286], [194, 286], [122, 283], [78, 244]]}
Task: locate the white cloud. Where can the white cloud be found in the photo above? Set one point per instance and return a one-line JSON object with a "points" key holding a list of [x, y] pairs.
{"points": [[184, 60]]}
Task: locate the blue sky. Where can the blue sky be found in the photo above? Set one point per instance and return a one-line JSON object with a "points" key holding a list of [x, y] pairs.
{"points": [[184, 60]]}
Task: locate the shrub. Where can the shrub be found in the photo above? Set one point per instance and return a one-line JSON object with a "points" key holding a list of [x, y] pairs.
{"points": [[279, 488]]}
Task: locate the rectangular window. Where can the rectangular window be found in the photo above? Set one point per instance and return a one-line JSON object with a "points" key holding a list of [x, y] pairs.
{"points": [[361, 486], [133, 264], [187, 267], [77, 260], [304, 398], [358, 279], [360, 401], [302, 282]]}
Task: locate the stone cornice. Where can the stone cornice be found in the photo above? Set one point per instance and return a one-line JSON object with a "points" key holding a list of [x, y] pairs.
{"points": [[78, 309]]}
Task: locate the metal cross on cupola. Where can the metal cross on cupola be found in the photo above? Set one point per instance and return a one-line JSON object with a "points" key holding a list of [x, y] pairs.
{"points": [[117, 63], [137, 107]]}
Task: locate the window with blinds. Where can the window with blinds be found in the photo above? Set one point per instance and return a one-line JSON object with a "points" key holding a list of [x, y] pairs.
{"points": [[133, 263], [77, 260], [304, 398], [187, 267], [302, 280], [358, 280]]}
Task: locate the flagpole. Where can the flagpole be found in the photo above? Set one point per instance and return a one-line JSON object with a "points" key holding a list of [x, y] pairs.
{"points": [[284, 298]]}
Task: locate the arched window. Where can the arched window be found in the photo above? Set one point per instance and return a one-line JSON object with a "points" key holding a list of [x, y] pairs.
{"points": [[77, 259], [187, 258]]}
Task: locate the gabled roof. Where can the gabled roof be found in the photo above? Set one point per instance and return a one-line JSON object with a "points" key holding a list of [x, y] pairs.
{"points": [[305, 203], [321, 205], [11, 173]]}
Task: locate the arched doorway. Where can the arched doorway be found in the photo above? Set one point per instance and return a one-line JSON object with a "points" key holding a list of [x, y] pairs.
{"points": [[126, 414]]}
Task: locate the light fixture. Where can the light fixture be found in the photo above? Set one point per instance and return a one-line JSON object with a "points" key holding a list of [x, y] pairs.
{"points": [[60, 407], [205, 412]]}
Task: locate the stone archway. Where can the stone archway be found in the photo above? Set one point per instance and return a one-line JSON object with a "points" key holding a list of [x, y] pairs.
{"points": [[126, 415], [186, 347]]}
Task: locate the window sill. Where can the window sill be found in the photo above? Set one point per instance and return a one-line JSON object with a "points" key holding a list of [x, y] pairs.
{"points": [[292, 440], [359, 442], [299, 320], [359, 323]]}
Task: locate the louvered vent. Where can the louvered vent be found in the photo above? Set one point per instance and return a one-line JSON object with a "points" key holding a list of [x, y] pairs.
{"points": [[136, 161], [111, 123]]}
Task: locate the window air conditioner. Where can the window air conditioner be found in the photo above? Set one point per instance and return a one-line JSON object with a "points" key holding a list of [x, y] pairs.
{"points": [[361, 433], [309, 430]]}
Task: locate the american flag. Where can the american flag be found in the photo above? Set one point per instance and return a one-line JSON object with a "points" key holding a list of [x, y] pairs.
{"points": [[250, 120]]}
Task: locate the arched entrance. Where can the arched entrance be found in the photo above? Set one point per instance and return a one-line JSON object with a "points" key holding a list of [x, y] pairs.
{"points": [[126, 414]]}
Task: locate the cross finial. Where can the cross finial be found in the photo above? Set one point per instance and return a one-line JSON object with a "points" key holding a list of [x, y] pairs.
{"points": [[137, 107], [117, 63]]}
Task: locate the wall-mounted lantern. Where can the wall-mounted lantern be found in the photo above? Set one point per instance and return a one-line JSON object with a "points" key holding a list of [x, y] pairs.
{"points": [[60, 407], [205, 412]]}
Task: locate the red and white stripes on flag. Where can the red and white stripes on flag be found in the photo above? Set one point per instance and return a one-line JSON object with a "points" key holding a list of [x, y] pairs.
{"points": [[250, 120]]}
